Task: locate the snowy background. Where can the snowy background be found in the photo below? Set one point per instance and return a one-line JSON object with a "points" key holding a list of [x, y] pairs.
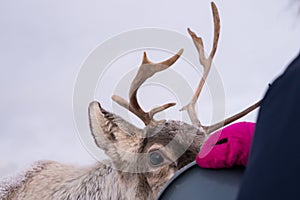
{"points": [[43, 44]]}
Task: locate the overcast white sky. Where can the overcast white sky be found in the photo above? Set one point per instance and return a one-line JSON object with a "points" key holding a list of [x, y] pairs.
{"points": [[44, 43]]}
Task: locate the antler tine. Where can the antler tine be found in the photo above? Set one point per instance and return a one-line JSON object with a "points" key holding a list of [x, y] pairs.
{"points": [[146, 70], [205, 62], [216, 29], [216, 126]]}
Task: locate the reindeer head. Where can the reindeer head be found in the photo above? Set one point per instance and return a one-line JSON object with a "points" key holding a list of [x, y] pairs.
{"points": [[162, 147], [154, 153]]}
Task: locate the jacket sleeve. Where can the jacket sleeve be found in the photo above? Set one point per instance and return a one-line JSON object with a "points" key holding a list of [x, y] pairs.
{"points": [[273, 169]]}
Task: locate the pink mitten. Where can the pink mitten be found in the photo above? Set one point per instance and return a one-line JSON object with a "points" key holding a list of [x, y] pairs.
{"points": [[227, 147]]}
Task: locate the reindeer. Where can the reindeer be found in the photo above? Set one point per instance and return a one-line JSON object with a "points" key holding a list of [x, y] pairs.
{"points": [[141, 160]]}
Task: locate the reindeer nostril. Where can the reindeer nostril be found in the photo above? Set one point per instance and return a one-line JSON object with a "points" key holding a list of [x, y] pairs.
{"points": [[222, 141]]}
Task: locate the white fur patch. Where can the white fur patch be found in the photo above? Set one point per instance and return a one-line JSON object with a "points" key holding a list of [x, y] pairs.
{"points": [[11, 184]]}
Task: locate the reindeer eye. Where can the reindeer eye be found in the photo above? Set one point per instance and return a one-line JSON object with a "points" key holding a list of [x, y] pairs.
{"points": [[156, 158]]}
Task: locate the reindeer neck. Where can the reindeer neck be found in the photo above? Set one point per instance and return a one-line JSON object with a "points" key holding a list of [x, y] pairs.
{"points": [[52, 180]]}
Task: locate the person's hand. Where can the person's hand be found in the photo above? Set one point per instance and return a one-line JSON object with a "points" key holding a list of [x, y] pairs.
{"points": [[227, 147]]}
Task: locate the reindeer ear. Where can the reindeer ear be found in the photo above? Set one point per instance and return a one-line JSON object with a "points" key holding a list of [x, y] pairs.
{"points": [[112, 133]]}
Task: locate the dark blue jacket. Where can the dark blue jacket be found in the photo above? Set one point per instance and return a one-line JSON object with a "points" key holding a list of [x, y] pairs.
{"points": [[273, 169]]}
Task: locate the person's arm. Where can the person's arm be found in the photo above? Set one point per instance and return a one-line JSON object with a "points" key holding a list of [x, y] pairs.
{"points": [[273, 169]]}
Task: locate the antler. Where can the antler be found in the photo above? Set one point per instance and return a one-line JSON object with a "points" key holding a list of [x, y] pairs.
{"points": [[216, 126], [206, 63], [146, 70]]}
